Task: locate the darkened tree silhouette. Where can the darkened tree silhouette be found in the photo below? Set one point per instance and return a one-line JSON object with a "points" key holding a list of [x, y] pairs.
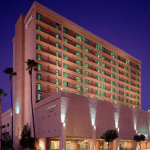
{"points": [[11, 74], [32, 65], [109, 136], [139, 138]]}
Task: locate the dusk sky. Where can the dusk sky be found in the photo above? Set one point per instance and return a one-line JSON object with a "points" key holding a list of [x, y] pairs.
{"points": [[123, 23]]}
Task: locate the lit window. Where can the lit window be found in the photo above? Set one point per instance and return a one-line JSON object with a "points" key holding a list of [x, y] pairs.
{"points": [[65, 39], [65, 48], [113, 62], [112, 82], [39, 37], [86, 57], [79, 87], [57, 45], [78, 70], [39, 17], [118, 84], [78, 79], [65, 83], [137, 91], [118, 97], [86, 73], [97, 69], [78, 37], [112, 54], [57, 26], [125, 94], [57, 36], [137, 85], [38, 96], [97, 92], [97, 62], [97, 54], [86, 81], [65, 75], [112, 75], [57, 81], [130, 63], [103, 57], [39, 56], [57, 54], [39, 47], [57, 63], [97, 77], [86, 89], [78, 54], [103, 86], [57, 72], [97, 84], [130, 101], [103, 94], [118, 71], [79, 62], [125, 100], [118, 78], [65, 57], [125, 87], [78, 93], [103, 72], [39, 27], [103, 49], [97, 46], [39, 66], [112, 96], [39, 86], [57, 89], [112, 89], [112, 68], [118, 91], [78, 46], [86, 41], [39, 76], [65, 66], [86, 49], [103, 79], [126, 81], [126, 68], [103, 64], [86, 65], [125, 74]]}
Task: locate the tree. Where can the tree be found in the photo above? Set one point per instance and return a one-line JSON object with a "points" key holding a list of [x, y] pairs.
{"points": [[6, 140], [139, 138], [109, 136], [1, 94], [32, 65], [11, 74], [26, 140]]}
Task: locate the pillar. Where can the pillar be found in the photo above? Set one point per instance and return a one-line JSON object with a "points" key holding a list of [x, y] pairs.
{"points": [[135, 145], [62, 137], [76, 146], [116, 144], [148, 144], [93, 139], [42, 143], [97, 145]]}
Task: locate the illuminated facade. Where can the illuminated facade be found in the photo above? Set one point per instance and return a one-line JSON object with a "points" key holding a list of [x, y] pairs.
{"points": [[70, 59]]}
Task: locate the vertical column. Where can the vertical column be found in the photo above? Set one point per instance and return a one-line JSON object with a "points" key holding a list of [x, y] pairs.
{"points": [[75, 145], [116, 144], [97, 145], [93, 139], [135, 145], [62, 138], [148, 144]]}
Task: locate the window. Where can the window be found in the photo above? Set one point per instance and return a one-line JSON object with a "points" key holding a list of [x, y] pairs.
{"points": [[130, 95], [118, 84], [57, 89], [97, 62], [86, 95], [79, 62], [65, 90], [39, 56], [78, 37], [125, 100], [137, 103], [125, 61], [86, 41], [97, 84], [103, 100], [39, 47], [112, 101], [112, 96], [57, 54], [112, 54], [97, 46], [125, 94], [112, 68], [118, 91], [86, 49], [38, 86], [118, 78], [118, 71], [137, 73], [112, 75], [125, 74], [103, 57], [103, 72], [86, 89], [103, 79], [38, 96], [130, 63], [131, 82], [103, 94], [118, 57], [112, 82], [137, 97], [86, 81], [65, 48], [137, 79], [39, 27], [39, 17], [39, 76], [137, 67], [57, 72], [86, 65], [57, 26], [113, 62], [79, 87], [65, 66], [126, 68], [137, 91], [112, 89], [97, 77], [65, 39], [130, 101], [97, 69], [97, 98], [118, 64], [86, 57], [78, 46], [57, 45], [65, 83], [86, 73], [65, 30], [65, 75], [78, 93], [103, 64], [126, 87], [57, 63], [39, 37], [137, 85], [57, 36], [79, 79], [126, 81], [65, 57], [39, 66], [57, 81], [78, 70], [97, 92], [103, 49], [97, 54], [103, 86], [78, 54], [118, 97], [130, 76]]}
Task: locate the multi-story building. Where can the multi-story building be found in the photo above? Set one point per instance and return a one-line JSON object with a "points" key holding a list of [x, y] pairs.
{"points": [[71, 59]]}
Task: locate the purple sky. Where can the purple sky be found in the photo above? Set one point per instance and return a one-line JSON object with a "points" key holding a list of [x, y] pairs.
{"points": [[123, 23]]}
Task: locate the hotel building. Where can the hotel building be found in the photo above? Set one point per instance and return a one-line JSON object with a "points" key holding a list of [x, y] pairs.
{"points": [[77, 64]]}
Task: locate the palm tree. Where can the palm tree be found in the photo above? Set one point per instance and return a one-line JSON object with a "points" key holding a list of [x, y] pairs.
{"points": [[1, 94], [11, 74], [32, 65]]}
